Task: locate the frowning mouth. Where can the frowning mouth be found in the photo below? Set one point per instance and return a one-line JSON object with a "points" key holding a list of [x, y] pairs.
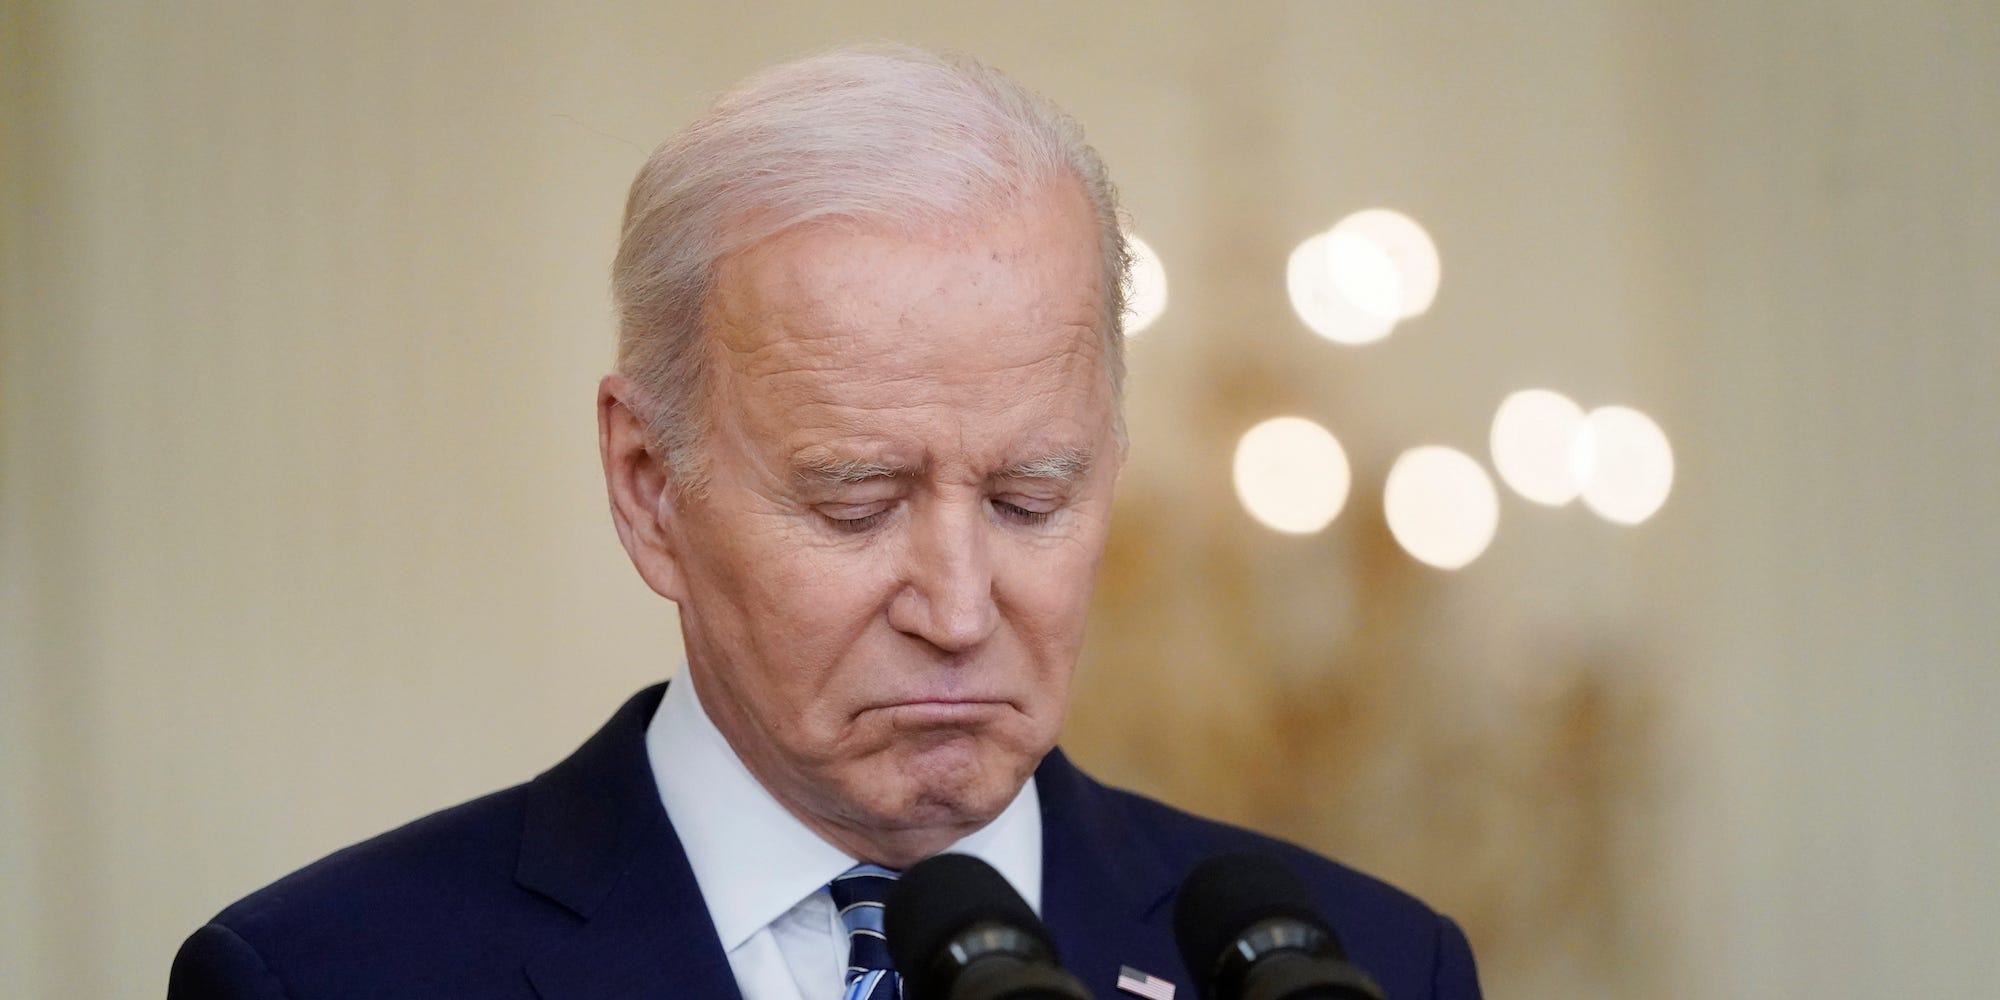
{"points": [[945, 710]]}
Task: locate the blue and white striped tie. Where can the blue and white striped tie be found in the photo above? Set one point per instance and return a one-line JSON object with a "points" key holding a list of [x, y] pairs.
{"points": [[860, 892]]}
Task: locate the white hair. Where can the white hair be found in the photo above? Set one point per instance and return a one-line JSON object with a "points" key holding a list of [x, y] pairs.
{"points": [[884, 136]]}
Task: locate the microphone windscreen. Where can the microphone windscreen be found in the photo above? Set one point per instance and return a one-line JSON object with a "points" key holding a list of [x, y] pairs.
{"points": [[1226, 894], [937, 899]]}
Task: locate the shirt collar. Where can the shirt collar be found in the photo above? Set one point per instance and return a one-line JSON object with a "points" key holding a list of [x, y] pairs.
{"points": [[753, 859]]}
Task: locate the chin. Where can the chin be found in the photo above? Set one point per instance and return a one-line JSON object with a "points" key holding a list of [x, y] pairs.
{"points": [[957, 784]]}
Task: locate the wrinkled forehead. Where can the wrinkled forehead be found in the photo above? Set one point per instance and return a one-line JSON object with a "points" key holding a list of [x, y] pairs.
{"points": [[996, 289], [873, 344]]}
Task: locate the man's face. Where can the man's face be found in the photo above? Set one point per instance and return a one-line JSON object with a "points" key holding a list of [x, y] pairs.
{"points": [[911, 460]]}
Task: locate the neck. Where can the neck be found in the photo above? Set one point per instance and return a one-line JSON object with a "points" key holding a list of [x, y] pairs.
{"points": [[897, 849]]}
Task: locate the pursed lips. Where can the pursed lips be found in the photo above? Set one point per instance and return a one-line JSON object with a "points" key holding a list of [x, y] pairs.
{"points": [[943, 699], [948, 708]]}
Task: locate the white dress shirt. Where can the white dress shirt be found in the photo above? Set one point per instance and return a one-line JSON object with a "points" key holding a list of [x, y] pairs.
{"points": [[763, 874]]}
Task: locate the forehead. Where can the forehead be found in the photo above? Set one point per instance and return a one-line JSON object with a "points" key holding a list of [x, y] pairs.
{"points": [[836, 339], [1036, 251]]}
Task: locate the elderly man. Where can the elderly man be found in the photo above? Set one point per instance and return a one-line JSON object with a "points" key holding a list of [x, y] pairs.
{"points": [[863, 431]]}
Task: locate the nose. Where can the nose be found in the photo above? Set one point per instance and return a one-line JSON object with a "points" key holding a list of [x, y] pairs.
{"points": [[946, 597]]}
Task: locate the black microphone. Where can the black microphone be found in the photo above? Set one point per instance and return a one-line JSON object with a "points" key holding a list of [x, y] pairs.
{"points": [[958, 931], [1248, 930]]}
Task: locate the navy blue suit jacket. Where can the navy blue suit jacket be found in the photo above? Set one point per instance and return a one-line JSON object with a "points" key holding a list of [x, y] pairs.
{"points": [[574, 886]]}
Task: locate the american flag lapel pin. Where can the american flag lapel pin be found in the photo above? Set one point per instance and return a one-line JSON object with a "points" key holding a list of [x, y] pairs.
{"points": [[1144, 984]]}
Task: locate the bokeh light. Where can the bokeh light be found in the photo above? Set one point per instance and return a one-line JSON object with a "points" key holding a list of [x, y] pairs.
{"points": [[1441, 506], [1291, 475], [1364, 274], [1344, 289], [1624, 464], [1409, 250], [1146, 298], [1534, 442], [1353, 283]]}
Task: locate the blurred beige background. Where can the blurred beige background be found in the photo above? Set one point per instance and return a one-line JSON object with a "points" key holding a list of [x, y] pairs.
{"points": [[302, 533]]}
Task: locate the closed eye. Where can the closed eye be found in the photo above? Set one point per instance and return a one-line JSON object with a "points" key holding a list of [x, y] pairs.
{"points": [[855, 520], [1021, 515], [857, 525]]}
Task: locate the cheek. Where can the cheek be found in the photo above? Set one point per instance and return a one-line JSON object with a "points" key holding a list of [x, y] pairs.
{"points": [[776, 570], [809, 607], [769, 597], [1048, 598]]}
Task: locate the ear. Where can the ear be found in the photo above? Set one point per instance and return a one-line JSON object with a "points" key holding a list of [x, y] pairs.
{"points": [[641, 488]]}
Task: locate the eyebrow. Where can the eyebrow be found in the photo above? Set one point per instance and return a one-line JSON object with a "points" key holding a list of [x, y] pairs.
{"points": [[842, 472], [1069, 466]]}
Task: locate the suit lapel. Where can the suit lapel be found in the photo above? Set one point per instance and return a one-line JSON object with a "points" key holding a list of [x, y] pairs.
{"points": [[1104, 888], [596, 840]]}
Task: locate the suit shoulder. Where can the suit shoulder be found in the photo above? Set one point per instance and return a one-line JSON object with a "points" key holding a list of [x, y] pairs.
{"points": [[429, 909], [1411, 949], [1186, 839], [446, 859]]}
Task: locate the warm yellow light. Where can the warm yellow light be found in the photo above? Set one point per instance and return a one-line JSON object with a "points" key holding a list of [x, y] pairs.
{"points": [[1624, 464], [1146, 297], [1291, 475], [1534, 443], [1364, 274], [1343, 289], [1441, 506], [1409, 250], [1354, 282]]}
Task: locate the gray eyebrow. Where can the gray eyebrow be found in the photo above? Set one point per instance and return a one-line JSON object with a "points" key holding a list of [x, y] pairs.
{"points": [[842, 472], [1070, 465], [1066, 466]]}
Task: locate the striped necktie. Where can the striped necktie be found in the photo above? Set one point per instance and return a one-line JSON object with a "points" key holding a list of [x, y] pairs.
{"points": [[860, 892]]}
